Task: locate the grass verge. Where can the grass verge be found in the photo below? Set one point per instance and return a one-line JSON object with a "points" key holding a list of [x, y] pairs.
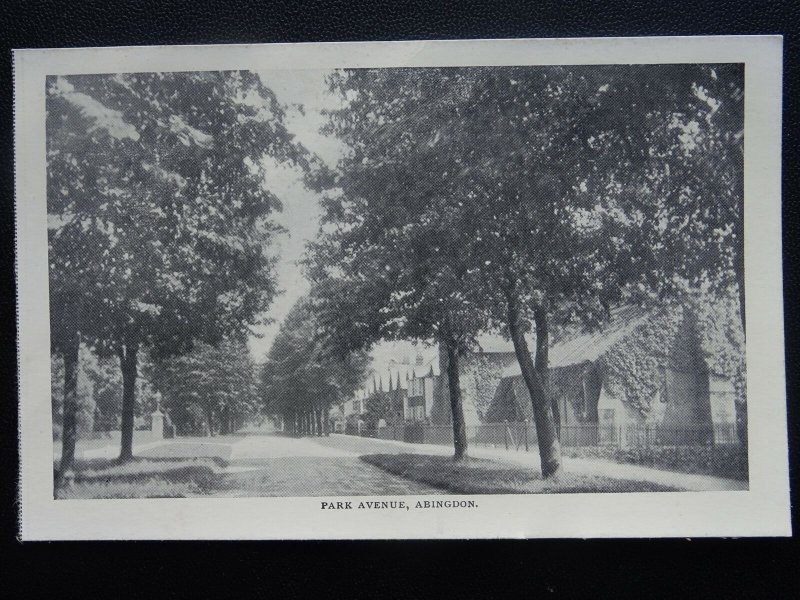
{"points": [[143, 478], [481, 476], [729, 461]]}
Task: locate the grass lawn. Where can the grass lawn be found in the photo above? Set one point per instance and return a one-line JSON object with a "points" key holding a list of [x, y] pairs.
{"points": [[481, 476], [143, 478]]}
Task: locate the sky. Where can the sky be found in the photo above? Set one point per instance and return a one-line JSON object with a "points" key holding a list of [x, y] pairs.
{"points": [[300, 206], [301, 213]]}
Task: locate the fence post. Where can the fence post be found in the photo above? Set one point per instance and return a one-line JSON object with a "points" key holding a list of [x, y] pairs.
{"points": [[505, 433], [526, 434]]}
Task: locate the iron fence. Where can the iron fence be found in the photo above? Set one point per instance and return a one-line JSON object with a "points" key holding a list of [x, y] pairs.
{"points": [[522, 435], [409, 432], [638, 435]]}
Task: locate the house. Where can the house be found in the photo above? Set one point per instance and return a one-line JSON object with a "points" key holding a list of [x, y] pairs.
{"points": [[414, 375], [396, 380], [480, 371], [675, 371]]}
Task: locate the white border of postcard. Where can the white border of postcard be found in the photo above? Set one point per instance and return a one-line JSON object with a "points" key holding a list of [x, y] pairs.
{"points": [[763, 510]]}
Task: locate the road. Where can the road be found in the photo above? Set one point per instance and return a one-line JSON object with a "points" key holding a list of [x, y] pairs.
{"points": [[275, 465]]}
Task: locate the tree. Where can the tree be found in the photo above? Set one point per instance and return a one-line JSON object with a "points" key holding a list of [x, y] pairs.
{"points": [[85, 393], [217, 382], [538, 186], [389, 260], [301, 379], [160, 213], [377, 406], [694, 181], [567, 194]]}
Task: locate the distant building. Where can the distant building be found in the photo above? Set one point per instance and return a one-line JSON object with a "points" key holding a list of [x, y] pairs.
{"points": [[414, 377]]}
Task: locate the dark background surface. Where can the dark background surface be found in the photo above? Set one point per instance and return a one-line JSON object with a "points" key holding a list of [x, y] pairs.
{"points": [[484, 569]]}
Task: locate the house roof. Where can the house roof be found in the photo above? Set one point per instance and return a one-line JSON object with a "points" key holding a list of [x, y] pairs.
{"points": [[397, 359], [582, 346], [395, 363]]}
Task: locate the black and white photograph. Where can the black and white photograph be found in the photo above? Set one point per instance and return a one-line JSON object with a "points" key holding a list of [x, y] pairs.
{"points": [[401, 288]]}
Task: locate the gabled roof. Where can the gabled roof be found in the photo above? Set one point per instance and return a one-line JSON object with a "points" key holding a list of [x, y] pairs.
{"points": [[581, 346], [393, 361]]}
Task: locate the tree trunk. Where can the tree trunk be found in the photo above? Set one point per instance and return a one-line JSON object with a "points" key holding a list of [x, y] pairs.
{"points": [[456, 407], [128, 364], [209, 422], [543, 361], [319, 422], [549, 447], [69, 420], [225, 421]]}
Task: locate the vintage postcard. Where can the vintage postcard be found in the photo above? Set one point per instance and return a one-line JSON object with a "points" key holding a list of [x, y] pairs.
{"points": [[458, 289]]}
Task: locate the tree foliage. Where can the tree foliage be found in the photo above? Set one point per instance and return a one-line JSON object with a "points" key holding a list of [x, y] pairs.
{"points": [[160, 210], [215, 386], [301, 375], [526, 198]]}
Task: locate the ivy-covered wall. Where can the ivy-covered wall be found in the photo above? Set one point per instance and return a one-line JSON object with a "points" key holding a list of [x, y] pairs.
{"points": [[480, 375], [723, 342], [633, 367], [701, 335]]}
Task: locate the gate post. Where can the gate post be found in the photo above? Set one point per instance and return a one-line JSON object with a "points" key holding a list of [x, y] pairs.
{"points": [[505, 433]]}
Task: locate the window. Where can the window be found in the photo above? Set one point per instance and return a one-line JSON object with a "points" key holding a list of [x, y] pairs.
{"points": [[357, 406], [415, 413], [607, 414]]}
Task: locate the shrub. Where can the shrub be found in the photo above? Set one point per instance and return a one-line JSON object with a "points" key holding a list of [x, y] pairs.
{"points": [[722, 461]]}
